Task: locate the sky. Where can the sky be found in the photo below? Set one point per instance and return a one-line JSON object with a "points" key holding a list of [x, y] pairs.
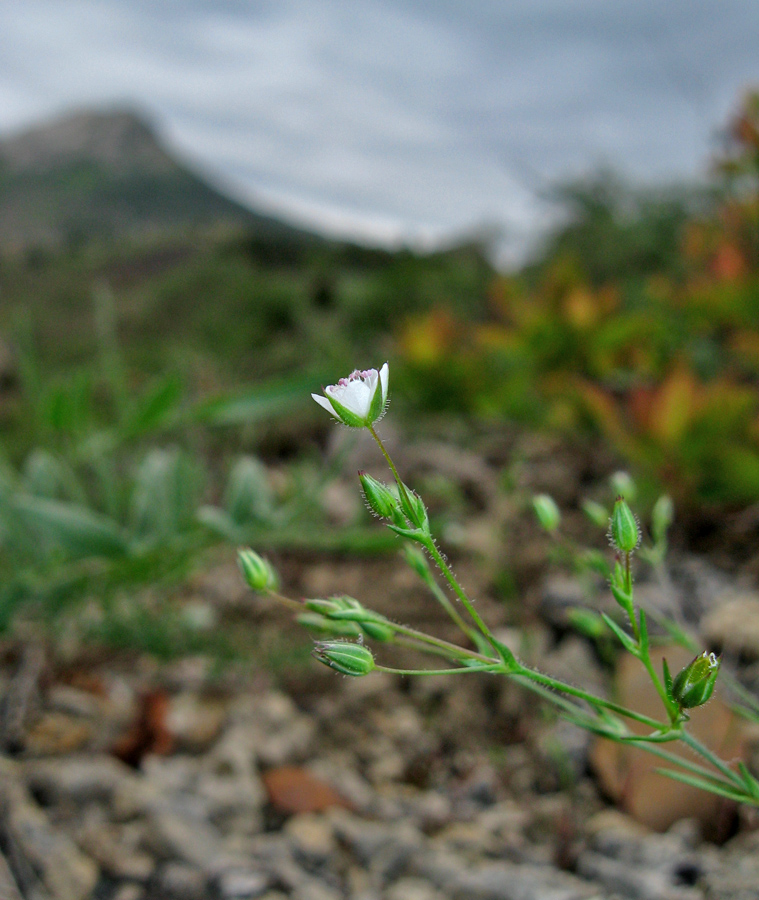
{"points": [[396, 120]]}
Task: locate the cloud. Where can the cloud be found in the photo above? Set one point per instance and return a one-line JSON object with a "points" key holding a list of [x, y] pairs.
{"points": [[402, 116]]}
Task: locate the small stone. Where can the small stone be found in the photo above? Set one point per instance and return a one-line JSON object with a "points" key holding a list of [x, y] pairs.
{"points": [[294, 790], [194, 723], [312, 838], [78, 779], [57, 733], [66, 872], [128, 892], [733, 626], [67, 699], [315, 890], [237, 884], [172, 835], [182, 881], [412, 889]]}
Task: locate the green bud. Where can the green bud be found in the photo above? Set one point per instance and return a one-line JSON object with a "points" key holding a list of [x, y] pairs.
{"points": [[257, 572], [587, 622], [379, 497], [622, 485], [624, 531], [596, 512], [323, 625], [595, 561], [547, 512], [694, 685], [662, 516], [349, 610], [345, 657], [326, 607], [378, 631], [414, 509], [417, 560]]}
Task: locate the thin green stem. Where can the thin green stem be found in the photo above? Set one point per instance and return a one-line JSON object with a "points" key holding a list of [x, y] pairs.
{"points": [[429, 545], [286, 601], [465, 670], [672, 710], [388, 459], [445, 647], [440, 596], [706, 753], [564, 688]]}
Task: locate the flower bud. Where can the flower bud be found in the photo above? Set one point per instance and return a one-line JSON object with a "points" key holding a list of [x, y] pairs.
{"points": [[694, 685], [379, 497], [258, 572], [325, 626], [624, 531], [662, 516], [623, 486], [345, 657], [547, 512], [414, 509], [596, 512]]}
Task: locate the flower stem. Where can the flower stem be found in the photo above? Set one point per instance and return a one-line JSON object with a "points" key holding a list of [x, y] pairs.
{"points": [[445, 647], [495, 667], [524, 672], [429, 545]]}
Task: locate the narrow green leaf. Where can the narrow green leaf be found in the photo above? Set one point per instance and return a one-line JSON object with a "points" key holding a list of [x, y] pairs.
{"points": [[76, 529], [667, 678], [722, 789], [643, 628], [627, 642]]}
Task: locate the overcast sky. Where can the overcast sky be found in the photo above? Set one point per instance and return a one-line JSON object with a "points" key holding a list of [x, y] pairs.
{"points": [[395, 119]]}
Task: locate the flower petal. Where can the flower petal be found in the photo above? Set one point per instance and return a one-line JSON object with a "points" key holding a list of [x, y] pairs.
{"points": [[322, 401], [384, 376]]}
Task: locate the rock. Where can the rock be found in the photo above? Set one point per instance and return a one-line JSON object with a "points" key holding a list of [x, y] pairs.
{"points": [[316, 890], [77, 779], [294, 790], [633, 862], [733, 625], [277, 732], [412, 889], [237, 884], [312, 838], [559, 596], [635, 882], [65, 872], [173, 836], [128, 892], [8, 887], [193, 722], [629, 774], [57, 733], [180, 881], [74, 701], [573, 662], [499, 881], [385, 848], [736, 875], [230, 783]]}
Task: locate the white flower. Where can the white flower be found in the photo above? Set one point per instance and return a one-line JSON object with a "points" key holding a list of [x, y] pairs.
{"points": [[358, 400]]}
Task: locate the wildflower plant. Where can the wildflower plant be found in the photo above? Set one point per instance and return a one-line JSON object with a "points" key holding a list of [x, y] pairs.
{"points": [[346, 626]]}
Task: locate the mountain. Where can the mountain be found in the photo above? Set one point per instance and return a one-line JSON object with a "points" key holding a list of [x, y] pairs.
{"points": [[106, 176]]}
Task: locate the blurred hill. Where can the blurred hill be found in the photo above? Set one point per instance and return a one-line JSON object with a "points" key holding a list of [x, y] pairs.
{"points": [[105, 176]]}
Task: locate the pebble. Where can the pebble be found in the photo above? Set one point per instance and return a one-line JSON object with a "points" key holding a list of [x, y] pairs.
{"points": [[64, 870], [240, 884], [79, 778]]}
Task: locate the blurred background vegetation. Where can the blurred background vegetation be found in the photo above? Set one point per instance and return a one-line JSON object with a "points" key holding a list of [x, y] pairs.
{"points": [[159, 343]]}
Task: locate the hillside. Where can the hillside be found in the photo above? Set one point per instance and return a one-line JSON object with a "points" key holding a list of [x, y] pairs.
{"points": [[106, 176]]}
